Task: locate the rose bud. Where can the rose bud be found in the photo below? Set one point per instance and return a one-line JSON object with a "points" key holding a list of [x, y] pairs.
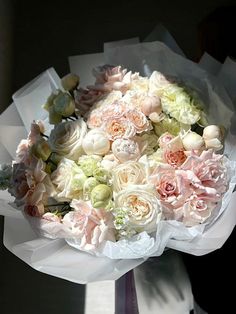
{"points": [[70, 81], [212, 135], [41, 149], [64, 105], [151, 104], [54, 117], [101, 195], [193, 141]]}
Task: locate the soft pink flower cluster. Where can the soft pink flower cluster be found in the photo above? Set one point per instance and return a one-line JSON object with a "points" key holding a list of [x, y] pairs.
{"points": [[124, 166]]}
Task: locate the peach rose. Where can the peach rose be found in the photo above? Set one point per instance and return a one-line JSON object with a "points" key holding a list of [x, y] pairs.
{"points": [[175, 159], [119, 128], [139, 120]]}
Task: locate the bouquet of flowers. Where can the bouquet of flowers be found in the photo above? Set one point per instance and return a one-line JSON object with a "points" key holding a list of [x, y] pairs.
{"points": [[130, 163]]}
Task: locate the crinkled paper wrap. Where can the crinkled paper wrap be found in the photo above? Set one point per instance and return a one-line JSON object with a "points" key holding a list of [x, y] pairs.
{"points": [[56, 257]]}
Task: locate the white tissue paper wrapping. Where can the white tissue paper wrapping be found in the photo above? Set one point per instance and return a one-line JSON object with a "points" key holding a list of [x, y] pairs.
{"points": [[56, 257]]}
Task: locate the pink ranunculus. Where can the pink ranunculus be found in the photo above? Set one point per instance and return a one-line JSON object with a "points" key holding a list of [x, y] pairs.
{"points": [[119, 128], [164, 139], [172, 186], [92, 226], [210, 169], [195, 211], [175, 159], [139, 120]]}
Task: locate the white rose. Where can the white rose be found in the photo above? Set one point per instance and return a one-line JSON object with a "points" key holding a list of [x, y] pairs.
{"points": [[96, 142], [129, 173], [140, 207], [69, 179], [66, 138]]}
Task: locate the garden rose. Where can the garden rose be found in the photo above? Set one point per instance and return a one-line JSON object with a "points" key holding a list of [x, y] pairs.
{"points": [[139, 120], [119, 128], [141, 207], [128, 173], [66, 138]]}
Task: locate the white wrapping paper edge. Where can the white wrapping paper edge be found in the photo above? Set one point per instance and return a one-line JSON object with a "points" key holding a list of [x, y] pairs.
{"points": [[43, 254]]}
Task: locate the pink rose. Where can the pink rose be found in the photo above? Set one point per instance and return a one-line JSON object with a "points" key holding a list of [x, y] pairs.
{"points": [[119, 128], [195, 211], [209, 168], [110, 78], [164, 139], [95, 119], [113, 111], [173, 187], [92, 226], [175, 159], [85, 98], [139, 120]]}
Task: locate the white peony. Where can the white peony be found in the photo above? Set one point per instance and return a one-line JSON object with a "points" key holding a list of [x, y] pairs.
{"points": [[96, 142]]}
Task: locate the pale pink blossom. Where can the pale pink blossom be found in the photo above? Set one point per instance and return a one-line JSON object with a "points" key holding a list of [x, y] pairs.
{"points": [[51, 217], [164, 139], [95, 119], [113, 111], [194, 211], [85, 98], [151, 104], [119, 128], [92, 226], [126, 149], [23, 153], [175, 159], [209, 168], [139, 120], [110, 78], [31, 185]]}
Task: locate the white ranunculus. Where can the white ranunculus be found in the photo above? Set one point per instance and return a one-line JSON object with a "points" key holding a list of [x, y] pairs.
{"points": [[66, 138], [96, 142], [128, 173], [141, 209], [69, 179]]}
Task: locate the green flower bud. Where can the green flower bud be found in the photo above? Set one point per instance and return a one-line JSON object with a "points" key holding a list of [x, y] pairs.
{"points": [[54, 117], [41, 149], [89, 185], [70, 81], [101, 195], [64, 105], [49, 102], [79, 179]]}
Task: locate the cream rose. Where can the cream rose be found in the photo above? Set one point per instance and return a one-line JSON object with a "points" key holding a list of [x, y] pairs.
{"points": [[66, 138], [69, 179], [129, 173], [141, 208]]}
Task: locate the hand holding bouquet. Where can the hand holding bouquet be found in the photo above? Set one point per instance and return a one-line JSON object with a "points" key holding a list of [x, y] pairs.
{"points": [[130, 164]]}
